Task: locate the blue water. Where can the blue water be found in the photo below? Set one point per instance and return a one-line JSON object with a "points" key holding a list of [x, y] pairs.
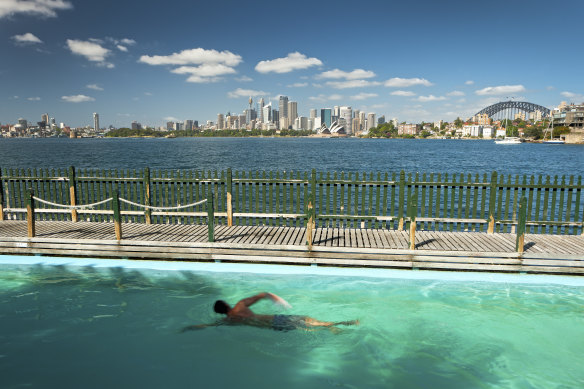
{"points": [[295, 154], [69, 323]]}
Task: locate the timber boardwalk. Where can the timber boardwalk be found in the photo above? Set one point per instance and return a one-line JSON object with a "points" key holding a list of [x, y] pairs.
{"points": [[421, 221]]}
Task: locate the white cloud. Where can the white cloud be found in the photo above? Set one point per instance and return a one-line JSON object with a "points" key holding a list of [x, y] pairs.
{"points": [[500, 90], [171, 119], [244, 79], [469, 82], [239, 92], [45, 8], [205, 72], [363, 96], [397, 82], [196, 56], [212, 63], [128, 42], [77, 99], [298, 85], [148, 94], [430, 98], [351, 84], [33, 98], [357, 74], [404, 93], [92, 51], [94, 87], [122, 48], [323, 98], [574, 96], [294, 61], [27, 38], [455, 93]]}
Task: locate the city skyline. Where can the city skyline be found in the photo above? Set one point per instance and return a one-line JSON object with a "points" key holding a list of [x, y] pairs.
{"points": [[192, 61]]}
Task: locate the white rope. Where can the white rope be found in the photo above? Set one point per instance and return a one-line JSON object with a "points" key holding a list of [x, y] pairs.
{"points": [[85, 206], [162, 208]]}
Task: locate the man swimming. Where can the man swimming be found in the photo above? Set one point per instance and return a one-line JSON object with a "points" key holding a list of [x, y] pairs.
{"points": [[241, 314]]}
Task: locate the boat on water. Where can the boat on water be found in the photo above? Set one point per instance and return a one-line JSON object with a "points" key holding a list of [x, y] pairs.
{"points": [[509, 140], [551, 140]]}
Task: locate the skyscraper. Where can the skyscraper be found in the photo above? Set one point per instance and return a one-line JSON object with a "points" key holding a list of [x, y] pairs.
{"points": [[371, 120], [267, 113], [261, 110], [283, 105], [326, 116], [95, 121], [45, 119], [220, 121], [347, 114], [313, 113], [292, 112]]}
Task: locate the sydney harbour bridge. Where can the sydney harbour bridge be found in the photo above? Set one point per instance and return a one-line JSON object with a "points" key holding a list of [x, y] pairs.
{"points": [[509, 109]]}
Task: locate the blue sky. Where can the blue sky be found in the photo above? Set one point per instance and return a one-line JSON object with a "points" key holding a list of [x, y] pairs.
{"points": [[154, 61]]}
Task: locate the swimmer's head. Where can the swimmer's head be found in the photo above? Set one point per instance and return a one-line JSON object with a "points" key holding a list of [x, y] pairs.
{"points": [[221, 307]]}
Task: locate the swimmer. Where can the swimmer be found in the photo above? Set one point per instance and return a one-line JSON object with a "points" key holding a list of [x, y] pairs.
{"points": [[241, 314]]}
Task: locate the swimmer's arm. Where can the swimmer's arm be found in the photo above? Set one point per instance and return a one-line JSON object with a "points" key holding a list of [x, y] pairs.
{"points": [[201, 326], [254, 299]]}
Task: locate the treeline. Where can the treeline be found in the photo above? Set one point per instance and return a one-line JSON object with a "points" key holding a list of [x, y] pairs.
{"points": [[127, 132]]}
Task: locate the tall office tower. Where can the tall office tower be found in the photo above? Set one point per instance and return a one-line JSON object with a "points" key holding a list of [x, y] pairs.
{"points": [[45, 119], [267, 113], [370, 120], [326, 116], [248, 117], [356, 126], [347, 114], [362, 119], [95, 121], [169, 126], [195, 124], [242, 121], [336, 110], [261, 110], [292, 111], [283, 123], [283, 105], [381, 119], [275, 116], [188, 125], [220, 121], [313, 113]]}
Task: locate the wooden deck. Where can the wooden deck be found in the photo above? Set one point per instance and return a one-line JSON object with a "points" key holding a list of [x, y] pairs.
{"points": [[470, 251]]}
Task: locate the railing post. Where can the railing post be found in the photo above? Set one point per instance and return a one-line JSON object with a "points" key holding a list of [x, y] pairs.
{"points": [[229, 204], [401, 200], [412, 212], [309, 223], [72, 193], [210, 216], [117, 214], [30, 214], [521, 221], [1, 197], [492, 200], [147, 200]]}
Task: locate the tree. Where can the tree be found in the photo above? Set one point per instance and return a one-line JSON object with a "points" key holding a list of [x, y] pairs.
{"points": [[458, 122]]}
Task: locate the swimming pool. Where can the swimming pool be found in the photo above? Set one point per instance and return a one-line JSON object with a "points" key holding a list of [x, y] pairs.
{"points": [[72, 323]]}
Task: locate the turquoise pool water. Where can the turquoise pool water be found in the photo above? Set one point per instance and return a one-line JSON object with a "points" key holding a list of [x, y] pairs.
{"points": [[74, 323]]}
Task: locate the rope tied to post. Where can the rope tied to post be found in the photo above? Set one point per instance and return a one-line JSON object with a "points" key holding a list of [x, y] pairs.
{"points": [[162, 208], [72, 207]]}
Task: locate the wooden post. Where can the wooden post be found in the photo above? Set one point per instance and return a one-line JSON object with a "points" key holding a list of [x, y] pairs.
{"points": [[492, 200], [147, 198], [30, 214], [521, 220], [412, 212], [229, 204], [309, 224], [401, 200], [1, 197], [72, 193], [117, 214], [210, 216]]}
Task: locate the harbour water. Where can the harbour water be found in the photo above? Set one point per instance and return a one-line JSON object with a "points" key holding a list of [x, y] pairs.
{"points": [[295, 154], [96, 324]]}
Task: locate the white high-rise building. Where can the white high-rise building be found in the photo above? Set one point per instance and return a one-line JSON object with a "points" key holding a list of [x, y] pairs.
{"points": [[95, 121], [220, 121], [261, 109], [313, 113], [346, 113], [370, 120], [267, 113]]}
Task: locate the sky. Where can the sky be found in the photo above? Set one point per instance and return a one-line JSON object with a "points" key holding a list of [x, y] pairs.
{"points": [[155, 61]]}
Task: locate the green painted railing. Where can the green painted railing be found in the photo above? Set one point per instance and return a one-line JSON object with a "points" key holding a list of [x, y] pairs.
{"points": [[446, 202]]}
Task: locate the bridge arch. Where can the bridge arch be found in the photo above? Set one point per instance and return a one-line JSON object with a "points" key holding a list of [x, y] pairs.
{"points": [[511, 106]]}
